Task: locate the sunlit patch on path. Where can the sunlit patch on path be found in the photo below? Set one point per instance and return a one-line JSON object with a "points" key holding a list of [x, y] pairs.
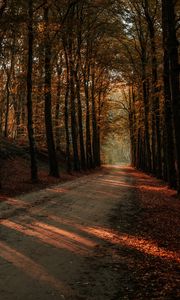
{"points": [[53, 236], [138, 243]]}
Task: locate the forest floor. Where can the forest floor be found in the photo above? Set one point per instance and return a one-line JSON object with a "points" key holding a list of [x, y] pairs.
{"points": [[15, 169], [108, 235]]}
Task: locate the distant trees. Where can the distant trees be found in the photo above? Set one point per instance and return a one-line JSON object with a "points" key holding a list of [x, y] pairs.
{"points": [[149, 31]]}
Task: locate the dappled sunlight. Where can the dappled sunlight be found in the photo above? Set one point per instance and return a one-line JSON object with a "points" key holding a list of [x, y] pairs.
{"points": [[21, 204], [14, 202], [114, 183], [73, 242], [70, 235], [137, 243], [120, 173], [158, 189], [153, 188], [31, 268], [57, 190], [140, 175], [130, 171], [74, 225], [59, 241], [119, 183], [53, 236], [117, 167]]}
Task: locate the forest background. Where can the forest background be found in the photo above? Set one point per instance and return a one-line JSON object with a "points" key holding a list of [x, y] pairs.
{"points": [[89, 80]]}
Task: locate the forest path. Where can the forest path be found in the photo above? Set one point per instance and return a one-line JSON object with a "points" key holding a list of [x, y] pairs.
{"points": [[91, 239]]}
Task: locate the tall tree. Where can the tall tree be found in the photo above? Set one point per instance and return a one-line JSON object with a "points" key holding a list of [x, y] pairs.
{"points": [[53, 163], [34, 175], [95, 144], [74, 126], [66, 109], [172, 62], [77, 74], [150, 15]]}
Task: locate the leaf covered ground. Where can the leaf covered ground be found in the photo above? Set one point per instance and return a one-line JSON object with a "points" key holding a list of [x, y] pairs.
{"points": [[109, 235]]}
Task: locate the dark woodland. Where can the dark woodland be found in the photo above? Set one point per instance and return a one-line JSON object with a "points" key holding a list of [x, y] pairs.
{"points": [[86, 88]]}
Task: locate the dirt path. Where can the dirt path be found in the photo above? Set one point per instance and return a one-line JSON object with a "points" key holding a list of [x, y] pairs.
{"points": [[91, 238]]}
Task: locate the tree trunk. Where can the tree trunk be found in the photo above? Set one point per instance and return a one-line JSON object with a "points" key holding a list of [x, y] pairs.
{"points": [[147, 150], [86, 73], [80, 121], [156, 132], [66, 111], [168, 134], [34, 175], [73, 121], [74, 131], [99, 126], [131, 125], [57, 109], [53, 164], [172, 92], [9, 75], [78, 87], [7, 108], [94, 121]]}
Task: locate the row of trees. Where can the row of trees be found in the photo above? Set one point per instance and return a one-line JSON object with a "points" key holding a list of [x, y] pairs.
{"points": [[54, 80], [58, 61], [149, 47]]}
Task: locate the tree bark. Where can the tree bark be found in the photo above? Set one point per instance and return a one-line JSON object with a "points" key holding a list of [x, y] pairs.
{"points": [[34, 174], [147, 150], [86, 74], [95, 145], [66, 111], [170, 44], [77, 75], [57, 109], [156, 132], [74, 131], [80, 120], [53, 164]]}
